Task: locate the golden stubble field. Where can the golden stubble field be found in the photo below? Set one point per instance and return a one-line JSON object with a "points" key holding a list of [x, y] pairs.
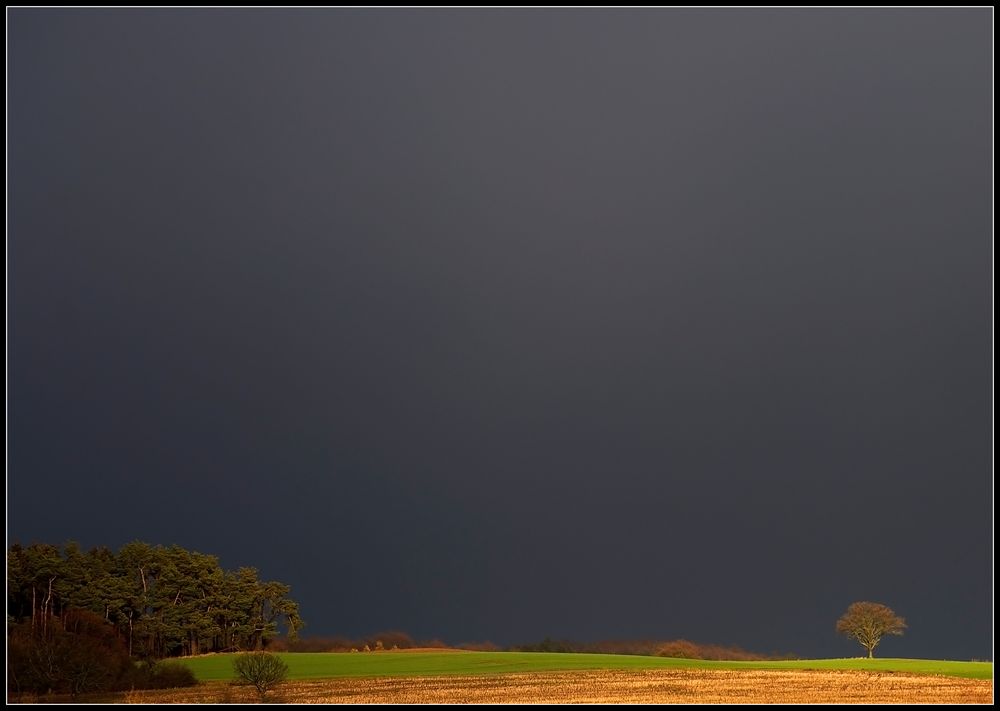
{"points": [[652, 686]]}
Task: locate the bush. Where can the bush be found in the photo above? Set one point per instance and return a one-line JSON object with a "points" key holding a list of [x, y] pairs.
{"points": [[160, 675], [169, 675], [78, 654], [262, 670], [679, 649]]}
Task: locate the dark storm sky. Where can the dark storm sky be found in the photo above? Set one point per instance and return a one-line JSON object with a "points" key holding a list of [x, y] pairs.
{"points": [[506, 324]]}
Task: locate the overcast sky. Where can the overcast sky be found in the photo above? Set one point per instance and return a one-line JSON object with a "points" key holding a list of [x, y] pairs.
{"points": [[505, 324]]}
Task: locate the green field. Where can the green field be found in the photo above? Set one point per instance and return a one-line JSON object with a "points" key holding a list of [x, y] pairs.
{"points": [[326, 666]]}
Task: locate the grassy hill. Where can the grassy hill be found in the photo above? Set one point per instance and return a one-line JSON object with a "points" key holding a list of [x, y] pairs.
{"points": [[326, 666]]}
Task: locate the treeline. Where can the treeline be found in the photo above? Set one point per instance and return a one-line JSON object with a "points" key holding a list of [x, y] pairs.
{"points": [[679, 648], [380, 641], [158, 601]]}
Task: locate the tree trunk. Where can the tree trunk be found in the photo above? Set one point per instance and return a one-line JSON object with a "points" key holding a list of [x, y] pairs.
{"points": [[870, 650], [47, 609]]}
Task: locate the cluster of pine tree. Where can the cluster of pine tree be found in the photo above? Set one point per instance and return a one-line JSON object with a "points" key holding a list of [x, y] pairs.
{"points": [[160, 601]]}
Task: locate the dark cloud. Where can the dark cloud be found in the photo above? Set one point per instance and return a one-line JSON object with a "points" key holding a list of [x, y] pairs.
{"points": [[506, 324]]}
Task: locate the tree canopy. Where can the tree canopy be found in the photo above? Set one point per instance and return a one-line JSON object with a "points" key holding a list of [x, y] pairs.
{"points": [[868, 622], [162, 601]]}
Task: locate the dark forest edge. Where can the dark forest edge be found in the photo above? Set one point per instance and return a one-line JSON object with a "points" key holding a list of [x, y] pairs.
{"points": [[161, 601]]}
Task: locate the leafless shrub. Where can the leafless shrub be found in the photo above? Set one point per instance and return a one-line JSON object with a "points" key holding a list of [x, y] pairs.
{"points": [[262, 670]]}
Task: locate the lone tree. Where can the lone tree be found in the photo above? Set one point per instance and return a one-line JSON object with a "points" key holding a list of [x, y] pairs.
{"points": [[261, 669], [867, 622]]}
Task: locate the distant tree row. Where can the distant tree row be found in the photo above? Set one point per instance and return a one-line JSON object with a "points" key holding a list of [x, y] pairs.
{"points": [[160, 601], [680, 648], [390, 639], [381, 641]]}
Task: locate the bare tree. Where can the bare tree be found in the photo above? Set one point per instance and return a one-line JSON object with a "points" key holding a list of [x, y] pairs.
{"points": [[868, 622], [261, 669]]}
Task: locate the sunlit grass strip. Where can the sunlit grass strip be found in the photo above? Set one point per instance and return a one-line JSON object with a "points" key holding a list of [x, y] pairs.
{"points": [[378, 664]]}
